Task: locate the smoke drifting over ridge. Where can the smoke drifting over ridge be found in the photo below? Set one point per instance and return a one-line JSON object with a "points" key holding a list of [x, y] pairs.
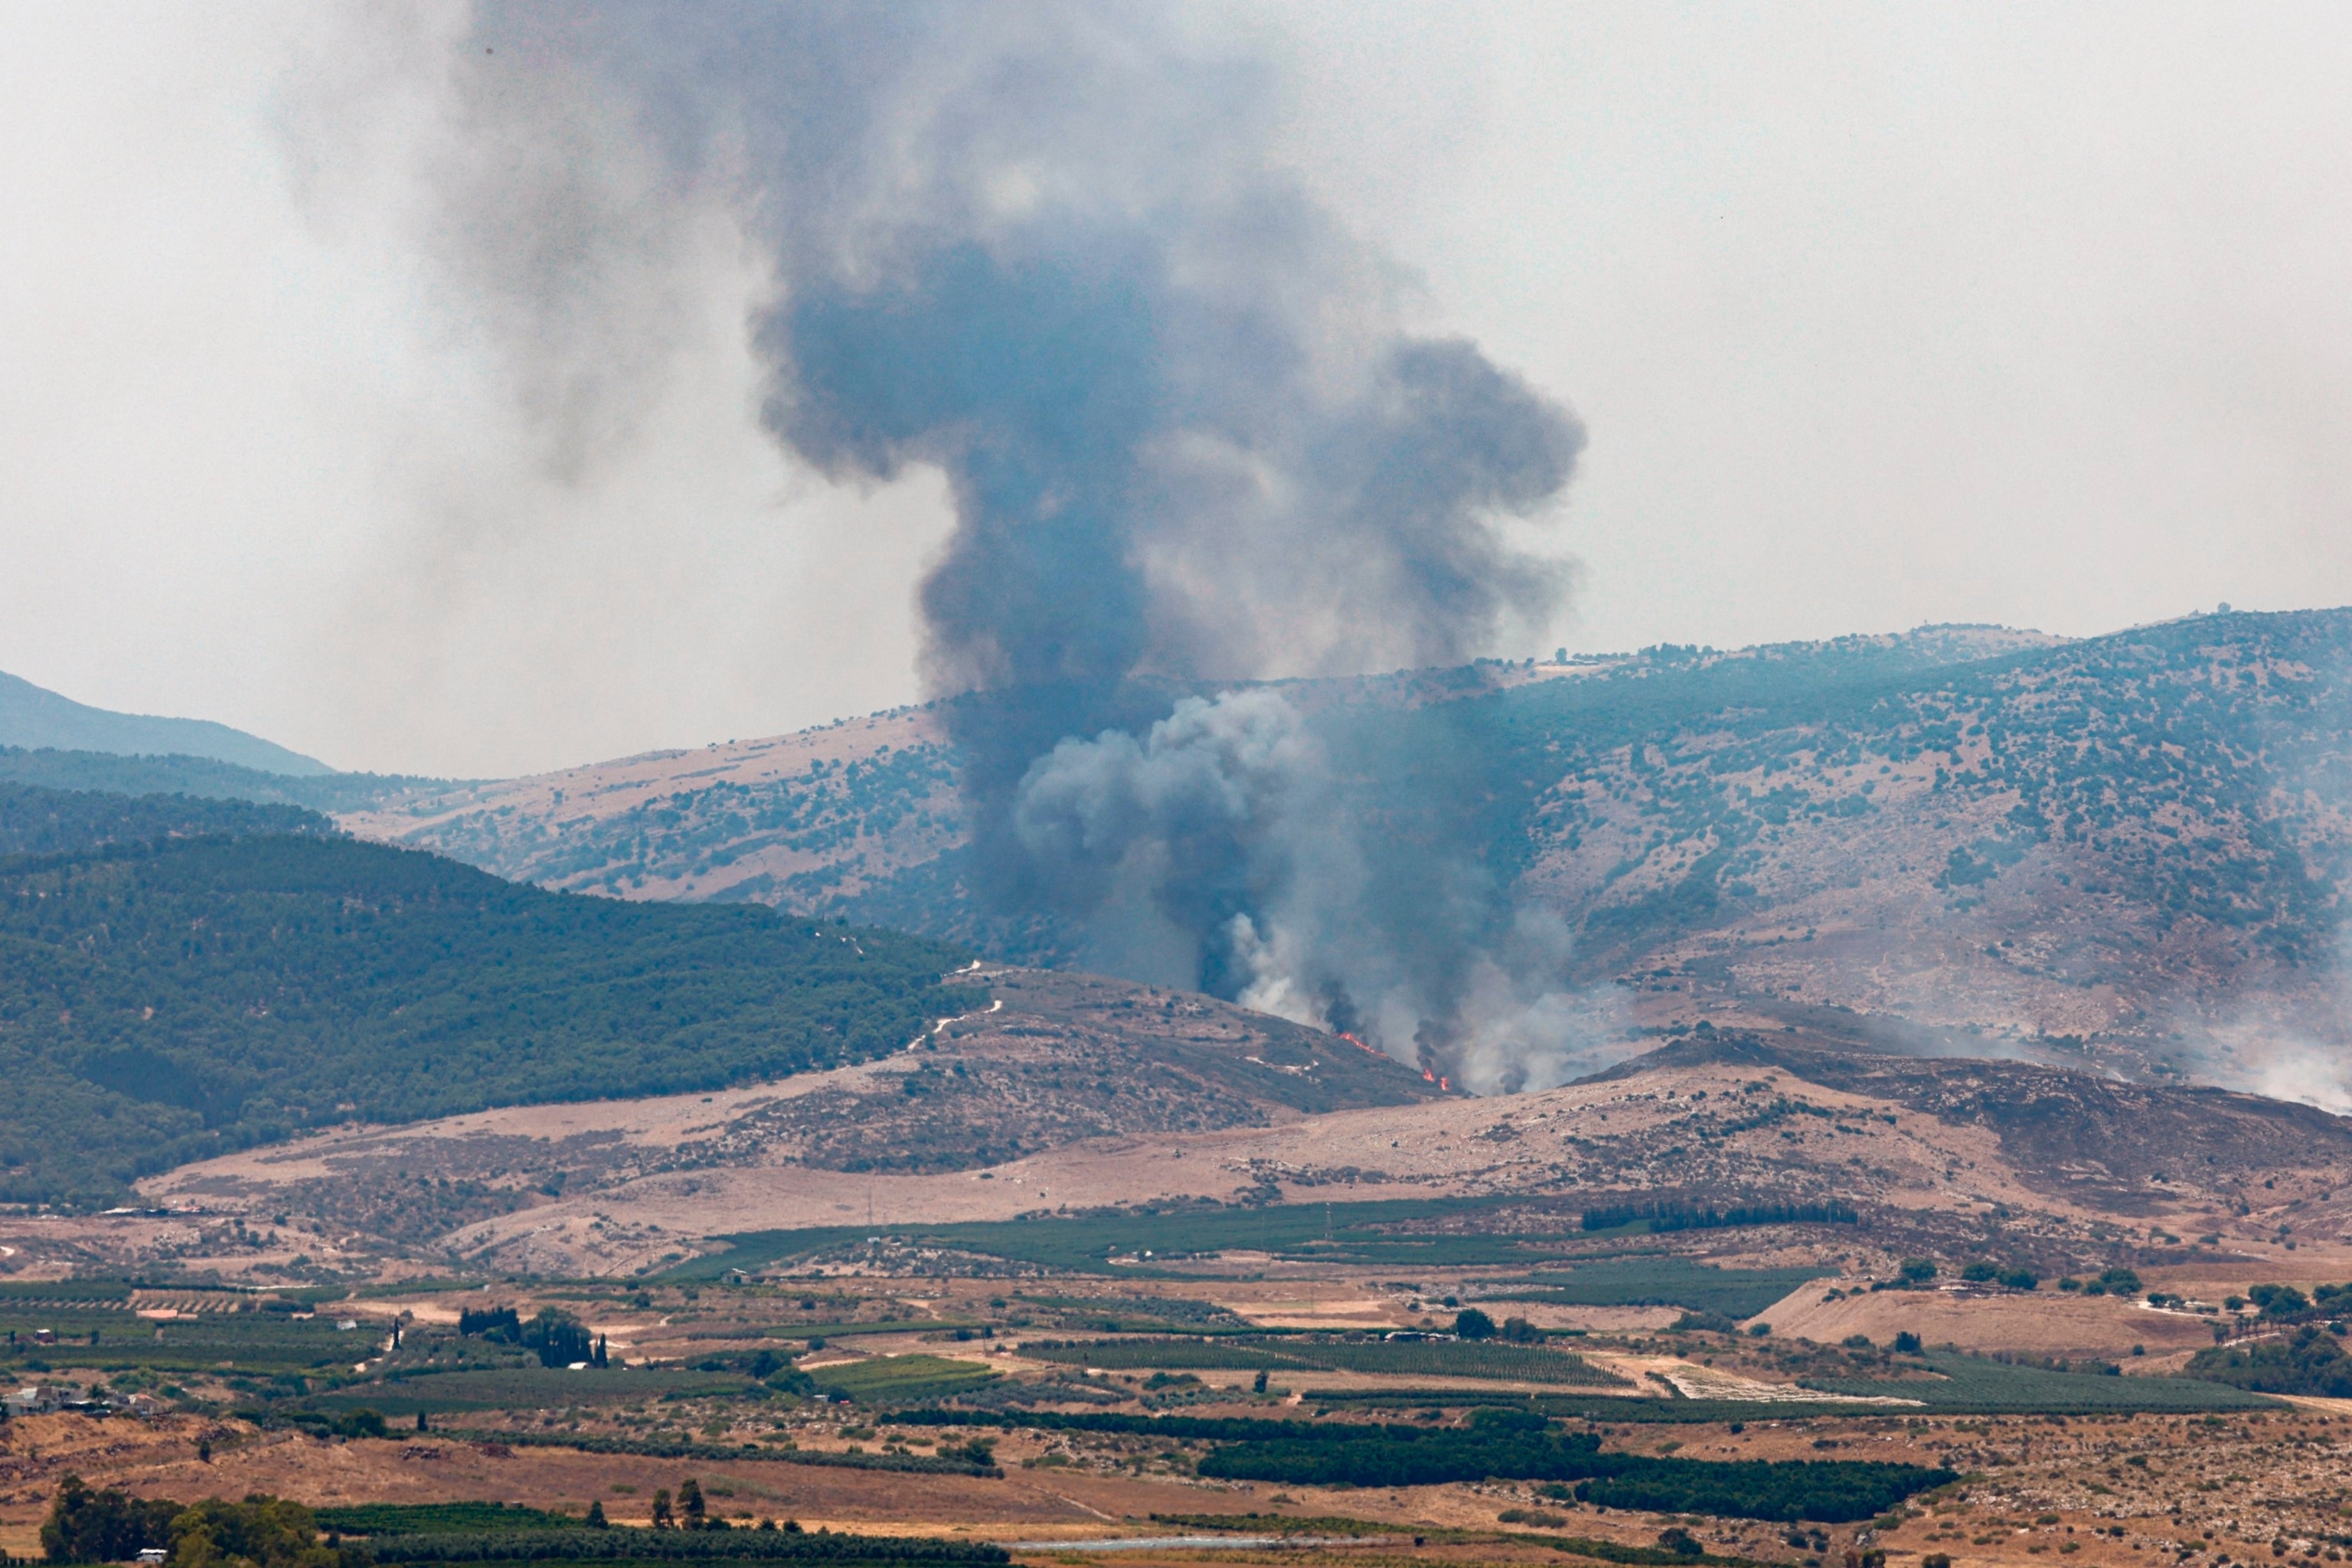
{"points": [[1189, 440]]}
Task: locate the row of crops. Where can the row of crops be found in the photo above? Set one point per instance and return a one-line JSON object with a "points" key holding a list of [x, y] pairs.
{"points": [[1427, 1357]]}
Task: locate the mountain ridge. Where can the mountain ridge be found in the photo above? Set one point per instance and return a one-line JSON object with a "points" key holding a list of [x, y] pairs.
{"points": [[2129, 852], [33, 718]]}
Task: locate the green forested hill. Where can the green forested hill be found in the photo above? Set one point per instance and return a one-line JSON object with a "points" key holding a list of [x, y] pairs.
{"points": [[36, 821], [205, 777], [162, 1002]]}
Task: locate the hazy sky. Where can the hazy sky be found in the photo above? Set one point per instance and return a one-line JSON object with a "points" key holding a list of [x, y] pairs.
{"points": [[1875, 315]]}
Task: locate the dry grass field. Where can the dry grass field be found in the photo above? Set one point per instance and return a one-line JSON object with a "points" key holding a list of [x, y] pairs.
{"points": [[2096, 1491]]}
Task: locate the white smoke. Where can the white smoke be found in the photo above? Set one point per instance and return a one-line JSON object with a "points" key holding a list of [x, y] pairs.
{"points": [[1226, 818]]}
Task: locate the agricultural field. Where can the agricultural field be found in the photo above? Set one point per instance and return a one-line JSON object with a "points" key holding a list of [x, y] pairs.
{"points": [[1232, 1384], [468, 1422], [1662, 1281], [1444, 1358]]}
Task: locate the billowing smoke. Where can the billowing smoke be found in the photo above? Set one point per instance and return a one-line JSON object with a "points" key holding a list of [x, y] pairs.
{"points": [[1047, 250], [1223, 848]]}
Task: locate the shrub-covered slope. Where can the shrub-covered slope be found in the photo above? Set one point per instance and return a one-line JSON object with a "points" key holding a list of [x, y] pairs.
{"points": [[163, 1002], [36, 821], [2138, 845], [209, 778]]}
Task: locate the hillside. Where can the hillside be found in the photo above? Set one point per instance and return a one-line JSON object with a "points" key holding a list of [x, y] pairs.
{"points": [[1057, 1064], [1082, 1096], [2130, 851], [31, 717], [35, 821], [2133, 844], [799, 821], [864, 810], [205, 778], [161, 1003]]}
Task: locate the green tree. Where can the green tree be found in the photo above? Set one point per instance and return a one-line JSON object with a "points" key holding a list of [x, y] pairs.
{"points": [[1470, 1323], [86, 1526], [2309, 1363], [259, 1533], [2278, 1301], [559, 1338]]}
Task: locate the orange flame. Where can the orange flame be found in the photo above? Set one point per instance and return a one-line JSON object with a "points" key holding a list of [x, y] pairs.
{"points": [[1427, 1075]]}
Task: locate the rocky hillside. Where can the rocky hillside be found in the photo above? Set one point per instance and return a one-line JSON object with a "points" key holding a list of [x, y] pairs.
{"points": [[2116, 1148], [2134, 846], [1082, 1094], [2130, 851], [1054, 1061]]}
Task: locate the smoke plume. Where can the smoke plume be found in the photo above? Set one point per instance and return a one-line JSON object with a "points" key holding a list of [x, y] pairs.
{"points": [[1047, 251]]}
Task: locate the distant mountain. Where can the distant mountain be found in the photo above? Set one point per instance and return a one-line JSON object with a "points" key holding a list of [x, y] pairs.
{"points": [[31, 717], [2132, 852], [863, 813], [207, 779]]}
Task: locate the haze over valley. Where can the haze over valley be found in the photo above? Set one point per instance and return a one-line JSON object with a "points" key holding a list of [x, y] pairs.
{"points": [[948, 785]]}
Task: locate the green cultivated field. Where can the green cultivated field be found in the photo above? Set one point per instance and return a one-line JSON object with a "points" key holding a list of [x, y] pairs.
{"points": [[1663, 1282], [1353, 1233], [1362, 1235], [881, 1379], [438, 1519], [1979, 1383], [1426, 1359], [528, 1388], [261, 1343]]}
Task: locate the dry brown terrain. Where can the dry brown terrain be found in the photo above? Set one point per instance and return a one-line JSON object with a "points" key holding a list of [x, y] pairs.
{"points": [[2121, 1491], [1985, 849], [2025, 1165], [773, 809], [1066, 1089]]}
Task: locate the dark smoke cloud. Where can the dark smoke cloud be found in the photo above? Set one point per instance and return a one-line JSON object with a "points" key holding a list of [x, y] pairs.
{"points": [[1046, 249]]}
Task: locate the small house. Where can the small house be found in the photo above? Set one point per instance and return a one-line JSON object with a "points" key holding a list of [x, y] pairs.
{"points": [[34, 1400]]}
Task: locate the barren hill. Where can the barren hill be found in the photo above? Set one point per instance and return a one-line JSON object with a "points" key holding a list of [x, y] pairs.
{"points": [[1055, 1061], [2129, 852], [1028, 1110]]}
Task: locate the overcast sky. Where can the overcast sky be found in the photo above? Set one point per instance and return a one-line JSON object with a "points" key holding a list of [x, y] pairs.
{"points": [[1875, 316]]}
